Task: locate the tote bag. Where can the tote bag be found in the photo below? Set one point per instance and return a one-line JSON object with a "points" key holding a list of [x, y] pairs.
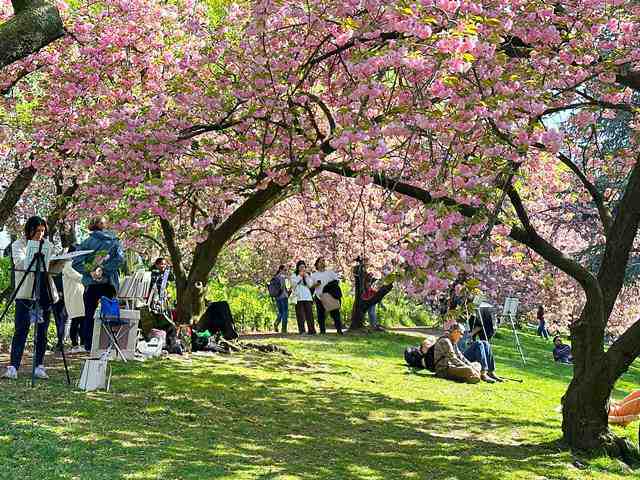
{"points": [[329, 302]]}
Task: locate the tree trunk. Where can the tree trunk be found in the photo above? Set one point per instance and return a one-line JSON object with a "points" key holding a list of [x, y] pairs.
{"points": [[14, 192], [585, 412], [35, 24], [190, 298], [357, 314]]}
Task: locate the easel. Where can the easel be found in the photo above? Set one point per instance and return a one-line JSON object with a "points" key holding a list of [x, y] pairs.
{"points": [[509, 310], [40, 271]]}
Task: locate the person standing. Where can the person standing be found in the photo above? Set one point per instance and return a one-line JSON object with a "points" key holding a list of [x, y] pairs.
{"points": [[28, 310], [73, 290], [99, 277], [542, 326], [369, 292], [282, 299], [304, 303], [320, 279]]}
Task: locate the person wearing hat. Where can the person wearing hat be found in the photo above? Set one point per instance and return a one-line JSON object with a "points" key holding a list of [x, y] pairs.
{"points": [[449, 361]]}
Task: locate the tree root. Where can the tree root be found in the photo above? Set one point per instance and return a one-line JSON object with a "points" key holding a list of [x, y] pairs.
{"points": [[261, 347]]}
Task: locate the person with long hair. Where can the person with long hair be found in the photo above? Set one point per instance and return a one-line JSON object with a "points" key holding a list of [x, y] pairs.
{"points": [[99, 271], [304, 300], [28, 310]]}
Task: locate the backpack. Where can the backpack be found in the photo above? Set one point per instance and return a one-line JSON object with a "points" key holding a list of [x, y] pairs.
{"points": [[275, 287], [413, 357]]}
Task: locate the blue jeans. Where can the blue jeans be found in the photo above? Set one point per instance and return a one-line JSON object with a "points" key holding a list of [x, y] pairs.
{"points": [[283, 312], [25, 309], [480, 351], [542, 330], [373, 318]]}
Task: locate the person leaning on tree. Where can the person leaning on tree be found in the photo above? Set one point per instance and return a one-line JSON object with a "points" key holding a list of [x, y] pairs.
{"points": [[26, 307], [99, 271]]}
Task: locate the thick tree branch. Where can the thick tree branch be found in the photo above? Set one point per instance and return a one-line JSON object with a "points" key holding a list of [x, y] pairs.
{"points": [[403, 188], [622, 234], [169, 234], [14, 192], [603, 211], [35, 24], [624, 351], [529, 237]]}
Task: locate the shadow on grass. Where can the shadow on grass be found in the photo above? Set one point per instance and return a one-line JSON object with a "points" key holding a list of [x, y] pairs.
{"points": [[175, 420]]}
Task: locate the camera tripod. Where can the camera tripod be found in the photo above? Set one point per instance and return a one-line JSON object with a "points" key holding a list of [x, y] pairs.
{"points": [[38, 268]]}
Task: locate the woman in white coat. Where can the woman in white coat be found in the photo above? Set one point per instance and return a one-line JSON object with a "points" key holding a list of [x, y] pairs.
{"points": [[73, 302], [28, 309]]}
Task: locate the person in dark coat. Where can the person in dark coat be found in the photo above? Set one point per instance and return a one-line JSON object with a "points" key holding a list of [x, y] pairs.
{"points": [[561, 351]]}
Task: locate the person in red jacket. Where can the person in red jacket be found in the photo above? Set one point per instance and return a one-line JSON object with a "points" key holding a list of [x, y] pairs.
{"points": [[369, 292]]}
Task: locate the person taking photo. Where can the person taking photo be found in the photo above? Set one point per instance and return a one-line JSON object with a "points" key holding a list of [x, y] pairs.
{"points": [[31, 306]]}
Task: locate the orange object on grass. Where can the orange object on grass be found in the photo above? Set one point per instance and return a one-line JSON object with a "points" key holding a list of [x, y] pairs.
{"points": [[626, 410]]}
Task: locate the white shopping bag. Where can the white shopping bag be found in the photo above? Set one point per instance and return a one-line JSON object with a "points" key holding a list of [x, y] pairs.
{"points": [[94, 375]]}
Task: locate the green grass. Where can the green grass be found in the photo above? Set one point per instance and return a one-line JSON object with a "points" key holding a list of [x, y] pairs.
{"points": [[340, 408]]}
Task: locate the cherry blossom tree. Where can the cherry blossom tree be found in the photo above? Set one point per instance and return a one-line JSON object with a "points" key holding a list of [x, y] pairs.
{"points": [[453, 105]]}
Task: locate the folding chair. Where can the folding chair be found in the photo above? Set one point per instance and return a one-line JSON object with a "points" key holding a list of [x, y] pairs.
{"points": [[115, 328]]}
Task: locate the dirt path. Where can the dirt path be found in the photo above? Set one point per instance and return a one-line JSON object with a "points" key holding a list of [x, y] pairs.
{"points": [[414, 331]]}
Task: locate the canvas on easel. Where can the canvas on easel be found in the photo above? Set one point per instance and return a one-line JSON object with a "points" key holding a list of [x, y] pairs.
{"points": [[510, 310]]}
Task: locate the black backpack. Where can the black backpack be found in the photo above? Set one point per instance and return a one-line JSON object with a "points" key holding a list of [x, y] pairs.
{"points": [[275, 287], [415, 359]]}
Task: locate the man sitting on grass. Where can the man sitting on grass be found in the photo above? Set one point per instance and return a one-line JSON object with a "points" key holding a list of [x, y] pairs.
{"points": [[449, 361], [479, 351], [561, 352]]}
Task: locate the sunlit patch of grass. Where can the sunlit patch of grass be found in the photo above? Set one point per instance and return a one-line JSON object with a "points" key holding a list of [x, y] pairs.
{"points": [[339, 408]]}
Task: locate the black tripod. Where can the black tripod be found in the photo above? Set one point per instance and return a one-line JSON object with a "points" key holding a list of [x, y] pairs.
{"points": [[38, 268]]}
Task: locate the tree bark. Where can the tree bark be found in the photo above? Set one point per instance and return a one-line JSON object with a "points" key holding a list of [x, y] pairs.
{"points": [[360, 306], [56, 219], [191, 286], [14, 192], [35, 24]]}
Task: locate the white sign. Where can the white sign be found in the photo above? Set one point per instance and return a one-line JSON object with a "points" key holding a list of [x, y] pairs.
{"points": [[510, 306]]}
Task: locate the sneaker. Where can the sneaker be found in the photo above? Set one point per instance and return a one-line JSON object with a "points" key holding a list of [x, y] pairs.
{"points": [[41, 372], [77, 349], [487, 378], [11, 373], [495, 377]]}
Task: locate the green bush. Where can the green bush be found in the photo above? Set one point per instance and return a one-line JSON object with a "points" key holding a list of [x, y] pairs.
{"points": [[254, 311]]}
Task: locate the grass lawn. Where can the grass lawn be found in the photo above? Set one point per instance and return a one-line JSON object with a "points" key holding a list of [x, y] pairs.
{"points": [[340, 408]]}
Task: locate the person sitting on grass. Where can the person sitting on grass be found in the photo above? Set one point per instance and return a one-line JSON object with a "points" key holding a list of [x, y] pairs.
{"points": [[479, 351], [449, 361], [561, 351]]}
